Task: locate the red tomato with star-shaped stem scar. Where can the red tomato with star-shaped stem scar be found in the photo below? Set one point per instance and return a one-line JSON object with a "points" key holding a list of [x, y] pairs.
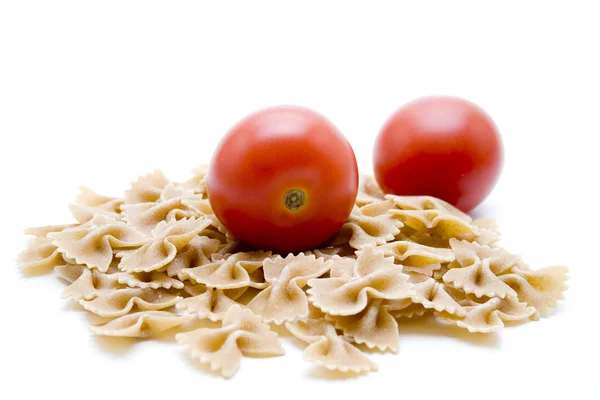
{"points": [[283, 179]]}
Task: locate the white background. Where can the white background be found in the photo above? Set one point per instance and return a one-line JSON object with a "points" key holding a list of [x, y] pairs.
{"points": [[96, 93]]}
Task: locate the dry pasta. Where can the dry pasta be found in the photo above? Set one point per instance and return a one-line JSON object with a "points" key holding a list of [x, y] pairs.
{"points": [[242, 334], [142, 324], [158, 258]]}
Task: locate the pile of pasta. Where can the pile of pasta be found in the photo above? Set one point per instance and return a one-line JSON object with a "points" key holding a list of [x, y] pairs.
{"points": [[159, 259]]}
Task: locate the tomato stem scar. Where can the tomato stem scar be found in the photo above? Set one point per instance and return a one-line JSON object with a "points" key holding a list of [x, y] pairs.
{"points": [[294, 199]]}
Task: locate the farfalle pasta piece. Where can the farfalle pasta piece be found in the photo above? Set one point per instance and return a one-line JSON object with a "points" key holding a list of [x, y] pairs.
{"points": [[90, 204], [147, 188], [442, 225], [327, 349], [167, 239], [284, 300], [202, 207], [371, 224], [424, 238], [415, 310], [143, 280], [417, 258], [405, 308], [231, 244], [330, 253], [198, 182], [375, 277], [146, 216], [540, 289], [197, 252], [43, 231], [426, 270], [457, 294], [40, 255], [192, 290], [142, 324], [70, 272], [488, 224], [175, 191], [93, 244], [211, 304], [478, 279], [294, 268], [88, 285], [487, 230], [490, 316], [234, 271], [468, 253], [427, 203], [368, 191], [120, 302], [433, 295], [373, 326], [438, 275], [90, 198], [342, 267], [242, 334]]}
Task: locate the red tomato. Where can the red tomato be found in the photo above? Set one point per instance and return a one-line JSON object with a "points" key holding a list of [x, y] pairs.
{"points": [[439, 146], [283, 179]]}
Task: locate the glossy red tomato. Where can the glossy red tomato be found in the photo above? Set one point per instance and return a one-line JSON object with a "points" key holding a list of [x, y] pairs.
{"points": [[283, 179], [439, 146]]}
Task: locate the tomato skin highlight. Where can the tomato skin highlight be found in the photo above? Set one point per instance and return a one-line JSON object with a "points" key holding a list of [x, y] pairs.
{"points": [[445, 147], [283, 179]]}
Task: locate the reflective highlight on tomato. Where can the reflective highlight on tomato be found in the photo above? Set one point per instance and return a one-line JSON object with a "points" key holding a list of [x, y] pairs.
{"points": [[283, 179], [439, 146]]}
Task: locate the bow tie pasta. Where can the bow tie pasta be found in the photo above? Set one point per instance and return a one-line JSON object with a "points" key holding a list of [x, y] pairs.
{"points": [[157, 261]]}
